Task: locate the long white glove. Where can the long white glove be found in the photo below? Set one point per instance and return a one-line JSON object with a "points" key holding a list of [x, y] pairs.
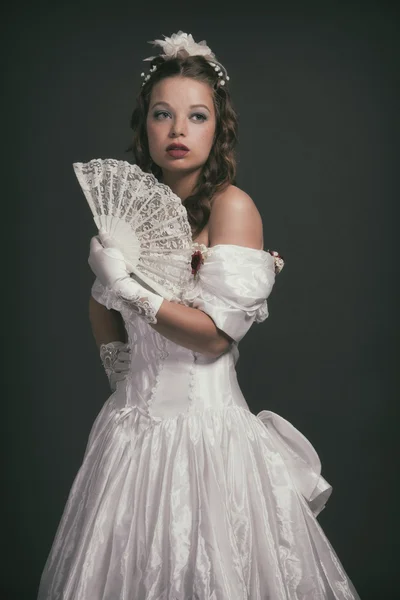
{"points": [[108, 264], [116, 360]]}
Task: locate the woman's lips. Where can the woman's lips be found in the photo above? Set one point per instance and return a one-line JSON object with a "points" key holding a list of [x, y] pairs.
{"points": [[177, 152]]}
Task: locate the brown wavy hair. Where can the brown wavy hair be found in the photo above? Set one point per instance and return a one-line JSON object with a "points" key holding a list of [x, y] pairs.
{"points": [[220, 168]]}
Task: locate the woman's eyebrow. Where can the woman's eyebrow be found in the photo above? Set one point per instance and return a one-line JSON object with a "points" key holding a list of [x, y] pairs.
{"points": [[203, 105], [191, 106]]}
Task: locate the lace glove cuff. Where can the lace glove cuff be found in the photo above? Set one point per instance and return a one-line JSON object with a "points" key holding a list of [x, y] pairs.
{"points": [[133, 297], [116, 361]]}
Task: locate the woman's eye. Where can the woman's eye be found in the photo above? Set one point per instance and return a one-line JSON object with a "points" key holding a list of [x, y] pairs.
{"points": [[200, 116], [160, 113]]}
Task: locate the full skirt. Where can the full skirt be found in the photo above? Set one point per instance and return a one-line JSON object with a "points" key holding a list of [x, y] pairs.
{"points": [[203, 506]]}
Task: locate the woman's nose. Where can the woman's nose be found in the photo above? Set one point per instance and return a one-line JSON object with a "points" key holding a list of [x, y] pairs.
{"points": [[178, 127]]}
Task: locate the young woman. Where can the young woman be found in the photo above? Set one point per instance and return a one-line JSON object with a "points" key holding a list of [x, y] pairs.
{"points": [[183, 493]]}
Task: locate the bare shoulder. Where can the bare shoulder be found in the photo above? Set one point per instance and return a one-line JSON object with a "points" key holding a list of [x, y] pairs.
{"points": [[232, 193], [235, 219]]}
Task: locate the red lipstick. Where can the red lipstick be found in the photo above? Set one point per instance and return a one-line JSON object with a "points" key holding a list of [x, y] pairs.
{"points": [[177, 150]]}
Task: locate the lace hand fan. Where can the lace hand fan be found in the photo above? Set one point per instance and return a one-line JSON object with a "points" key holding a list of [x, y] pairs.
{"points": [[146, 220]]}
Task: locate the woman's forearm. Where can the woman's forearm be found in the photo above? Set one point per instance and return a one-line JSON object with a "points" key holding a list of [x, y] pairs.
{"points": [[190, 328], [187, 327], [107, 325]]}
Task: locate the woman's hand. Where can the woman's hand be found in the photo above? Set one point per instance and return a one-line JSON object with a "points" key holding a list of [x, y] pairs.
{"points": [[106, 261], [116, 360], [108, 264]]}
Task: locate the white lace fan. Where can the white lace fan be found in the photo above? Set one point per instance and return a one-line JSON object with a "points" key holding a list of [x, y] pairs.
{"points": [[146, 220]]}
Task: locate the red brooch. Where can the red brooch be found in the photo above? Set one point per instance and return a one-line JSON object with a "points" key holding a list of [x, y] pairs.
{"points": [[278, 259], [197, 261]]}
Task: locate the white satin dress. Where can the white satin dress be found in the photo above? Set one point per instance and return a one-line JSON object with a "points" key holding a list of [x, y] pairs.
{"points": [[183, 493]]}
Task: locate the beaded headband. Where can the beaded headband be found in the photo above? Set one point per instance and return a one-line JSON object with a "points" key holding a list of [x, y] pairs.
{"points": [[183, 45]]}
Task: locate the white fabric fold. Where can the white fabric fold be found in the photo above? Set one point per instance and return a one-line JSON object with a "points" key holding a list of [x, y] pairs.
{"points": [[232, 287], [301, 459]]}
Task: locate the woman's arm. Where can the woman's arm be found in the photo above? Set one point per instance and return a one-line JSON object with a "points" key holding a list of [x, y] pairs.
{"points": [[234, 219], [190, 328], [107, 325]]}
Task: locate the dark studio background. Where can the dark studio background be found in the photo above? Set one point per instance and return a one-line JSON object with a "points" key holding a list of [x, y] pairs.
{"points": [[315, 88]]}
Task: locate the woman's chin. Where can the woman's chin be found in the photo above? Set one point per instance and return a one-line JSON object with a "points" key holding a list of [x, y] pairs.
{"points": [[179, 166]]}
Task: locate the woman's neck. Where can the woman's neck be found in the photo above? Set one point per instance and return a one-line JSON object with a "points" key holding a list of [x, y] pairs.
{"points": [[182, 184]]}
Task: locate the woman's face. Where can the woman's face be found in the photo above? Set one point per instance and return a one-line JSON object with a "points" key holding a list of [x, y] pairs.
{"points": [[181, 111]]}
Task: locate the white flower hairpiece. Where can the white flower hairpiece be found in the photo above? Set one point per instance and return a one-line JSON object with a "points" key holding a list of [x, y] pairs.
{"points": [[182, 44]]}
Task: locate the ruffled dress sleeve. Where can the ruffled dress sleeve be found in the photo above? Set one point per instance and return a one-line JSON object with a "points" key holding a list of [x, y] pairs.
{"points": [[232, 287]]}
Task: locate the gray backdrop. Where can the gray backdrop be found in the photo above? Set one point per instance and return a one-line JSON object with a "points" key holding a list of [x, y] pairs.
{"points": [[314, 86]]}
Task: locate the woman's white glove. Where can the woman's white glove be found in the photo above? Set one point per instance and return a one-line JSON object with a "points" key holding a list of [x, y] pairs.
{"points": [[108, 264], [116, 360]]}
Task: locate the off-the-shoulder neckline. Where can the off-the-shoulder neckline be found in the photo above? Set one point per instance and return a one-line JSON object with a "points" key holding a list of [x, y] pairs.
{"points": [[230, 246]]}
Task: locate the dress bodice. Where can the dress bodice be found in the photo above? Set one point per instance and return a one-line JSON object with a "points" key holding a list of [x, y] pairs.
{"points": [[231, 286]]}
